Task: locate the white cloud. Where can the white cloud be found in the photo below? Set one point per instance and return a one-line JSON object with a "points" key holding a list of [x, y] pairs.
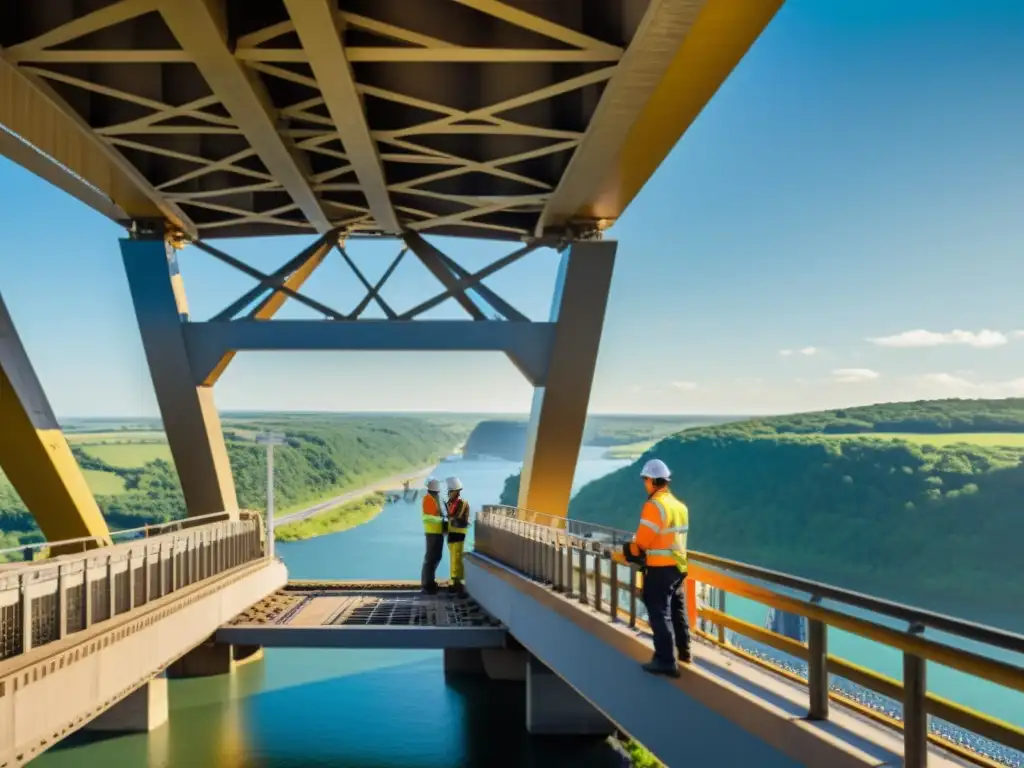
{"points": [[808, 351], [854, 375], [983, 339], [686, 386], [958, 386], [785, 352]]}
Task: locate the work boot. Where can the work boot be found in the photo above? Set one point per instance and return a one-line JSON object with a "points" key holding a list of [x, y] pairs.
{"points": [[656, 667], [457, 589], [685, 657]]}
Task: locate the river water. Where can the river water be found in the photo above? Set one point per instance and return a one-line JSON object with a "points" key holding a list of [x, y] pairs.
{"points": [[350, 709]]}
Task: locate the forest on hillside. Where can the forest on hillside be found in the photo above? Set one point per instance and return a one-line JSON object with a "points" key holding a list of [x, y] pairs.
{"points": [[320, 459], [937, 525], [506, 438]]}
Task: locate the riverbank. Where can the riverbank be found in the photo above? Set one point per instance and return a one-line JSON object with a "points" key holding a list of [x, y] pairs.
{"points": [[334, 521], [320, 507]]}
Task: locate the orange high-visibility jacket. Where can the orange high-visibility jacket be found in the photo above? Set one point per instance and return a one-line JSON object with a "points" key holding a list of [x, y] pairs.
{"points": [[661, 534], [432, 520]]}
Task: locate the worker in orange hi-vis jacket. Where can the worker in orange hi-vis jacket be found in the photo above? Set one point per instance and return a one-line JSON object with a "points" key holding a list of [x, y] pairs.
{"points": [[660, 542], [433, 527]]}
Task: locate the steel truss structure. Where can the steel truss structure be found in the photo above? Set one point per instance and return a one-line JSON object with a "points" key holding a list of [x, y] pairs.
{"points": [[483, 118], [35, 455], [186, 357]]}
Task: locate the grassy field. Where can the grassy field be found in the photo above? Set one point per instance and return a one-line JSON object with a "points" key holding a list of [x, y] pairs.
{"points": [[1011, 439], [341, 519], [128, 455], [126, 436], [103, 483]]}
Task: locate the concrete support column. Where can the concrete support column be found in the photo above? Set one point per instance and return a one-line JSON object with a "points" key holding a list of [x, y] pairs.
{"points": [[204, 660], [190, 418], [463, 661], [141, 711], [555, 709], [559, 411], [34, 454]]}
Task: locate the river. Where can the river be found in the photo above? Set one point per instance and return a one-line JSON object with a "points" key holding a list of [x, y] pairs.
{"points": [[350, 709]]}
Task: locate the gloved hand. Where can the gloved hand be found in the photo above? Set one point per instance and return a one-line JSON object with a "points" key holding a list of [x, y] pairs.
{"points": [[627, 553]]}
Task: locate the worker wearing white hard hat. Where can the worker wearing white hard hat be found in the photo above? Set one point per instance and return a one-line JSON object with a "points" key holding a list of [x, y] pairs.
{"points": [[433, 527], [458, 525], [660, 546]]}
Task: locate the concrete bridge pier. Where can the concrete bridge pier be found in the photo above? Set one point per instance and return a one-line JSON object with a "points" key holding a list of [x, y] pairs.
{"points": [[141, 711], [213, 658], [553, 708]]}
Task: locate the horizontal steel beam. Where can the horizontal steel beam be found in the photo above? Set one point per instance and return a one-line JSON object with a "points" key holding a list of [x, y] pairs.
{"points": [[528, 344], [406, 638]]}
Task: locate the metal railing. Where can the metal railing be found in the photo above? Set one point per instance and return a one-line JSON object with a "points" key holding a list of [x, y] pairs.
{"points": [[42, 601], [584, 561]]}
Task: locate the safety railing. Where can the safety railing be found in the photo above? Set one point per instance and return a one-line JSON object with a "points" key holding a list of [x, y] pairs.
{"points": [[584, 561], [42, 601]]}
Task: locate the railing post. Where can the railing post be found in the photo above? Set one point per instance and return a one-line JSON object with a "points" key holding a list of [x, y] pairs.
{"points": [[614, 567], [598, 560], [26, 615], [632, 597], [62, 604], [131, 583], [146, 565], [559, 566], [86, 596], [915, 713], [111, 596], [583, 575], [569, 586], [817, 669], [721, 607], [160, 577]]}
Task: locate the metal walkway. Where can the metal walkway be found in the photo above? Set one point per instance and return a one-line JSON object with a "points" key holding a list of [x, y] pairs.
{"points": [[359, 614]]}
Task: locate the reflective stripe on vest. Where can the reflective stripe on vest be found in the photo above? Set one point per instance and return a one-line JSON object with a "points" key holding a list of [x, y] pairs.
{"points": [[669, 546], [457, 514], [432, 523]]}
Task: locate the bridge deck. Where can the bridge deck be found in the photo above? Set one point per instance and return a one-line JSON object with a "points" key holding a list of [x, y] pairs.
{"points": [[363, 615]]}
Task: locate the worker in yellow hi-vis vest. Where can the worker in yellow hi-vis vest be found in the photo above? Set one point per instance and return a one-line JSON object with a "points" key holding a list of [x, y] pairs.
{"points": [[458, 525], [433, 527]]}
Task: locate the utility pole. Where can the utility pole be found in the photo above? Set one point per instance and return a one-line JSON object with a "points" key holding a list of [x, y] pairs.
{"points": [[270, 439]]}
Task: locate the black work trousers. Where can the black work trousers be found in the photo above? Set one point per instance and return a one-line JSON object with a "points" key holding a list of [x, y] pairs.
{"points": [[666, 612], [432, 559]]}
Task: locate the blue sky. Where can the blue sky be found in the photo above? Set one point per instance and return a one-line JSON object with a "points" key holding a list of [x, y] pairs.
{"points": [[860, 176]]}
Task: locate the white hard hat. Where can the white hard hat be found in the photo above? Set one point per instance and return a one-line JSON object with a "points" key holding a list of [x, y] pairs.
{"points": [[656, 469], [433, 484], [453, 484]]}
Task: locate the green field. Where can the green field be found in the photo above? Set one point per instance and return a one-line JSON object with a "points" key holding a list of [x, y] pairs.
{"points": [[1009, 439], [128, 455], [103, 483], [334, 521], [126, 436]]}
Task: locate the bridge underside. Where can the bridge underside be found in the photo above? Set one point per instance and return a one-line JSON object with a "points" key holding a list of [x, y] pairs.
{"points": [[363, 615], [476, 118]]}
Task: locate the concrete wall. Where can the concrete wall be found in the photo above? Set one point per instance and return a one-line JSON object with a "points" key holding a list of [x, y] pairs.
{"points": [[57, 688]]}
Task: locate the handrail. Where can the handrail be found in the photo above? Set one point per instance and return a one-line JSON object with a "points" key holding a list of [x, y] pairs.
{"points": [[556, 554], [146, 529], [44, 601], [1001, 638]]}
